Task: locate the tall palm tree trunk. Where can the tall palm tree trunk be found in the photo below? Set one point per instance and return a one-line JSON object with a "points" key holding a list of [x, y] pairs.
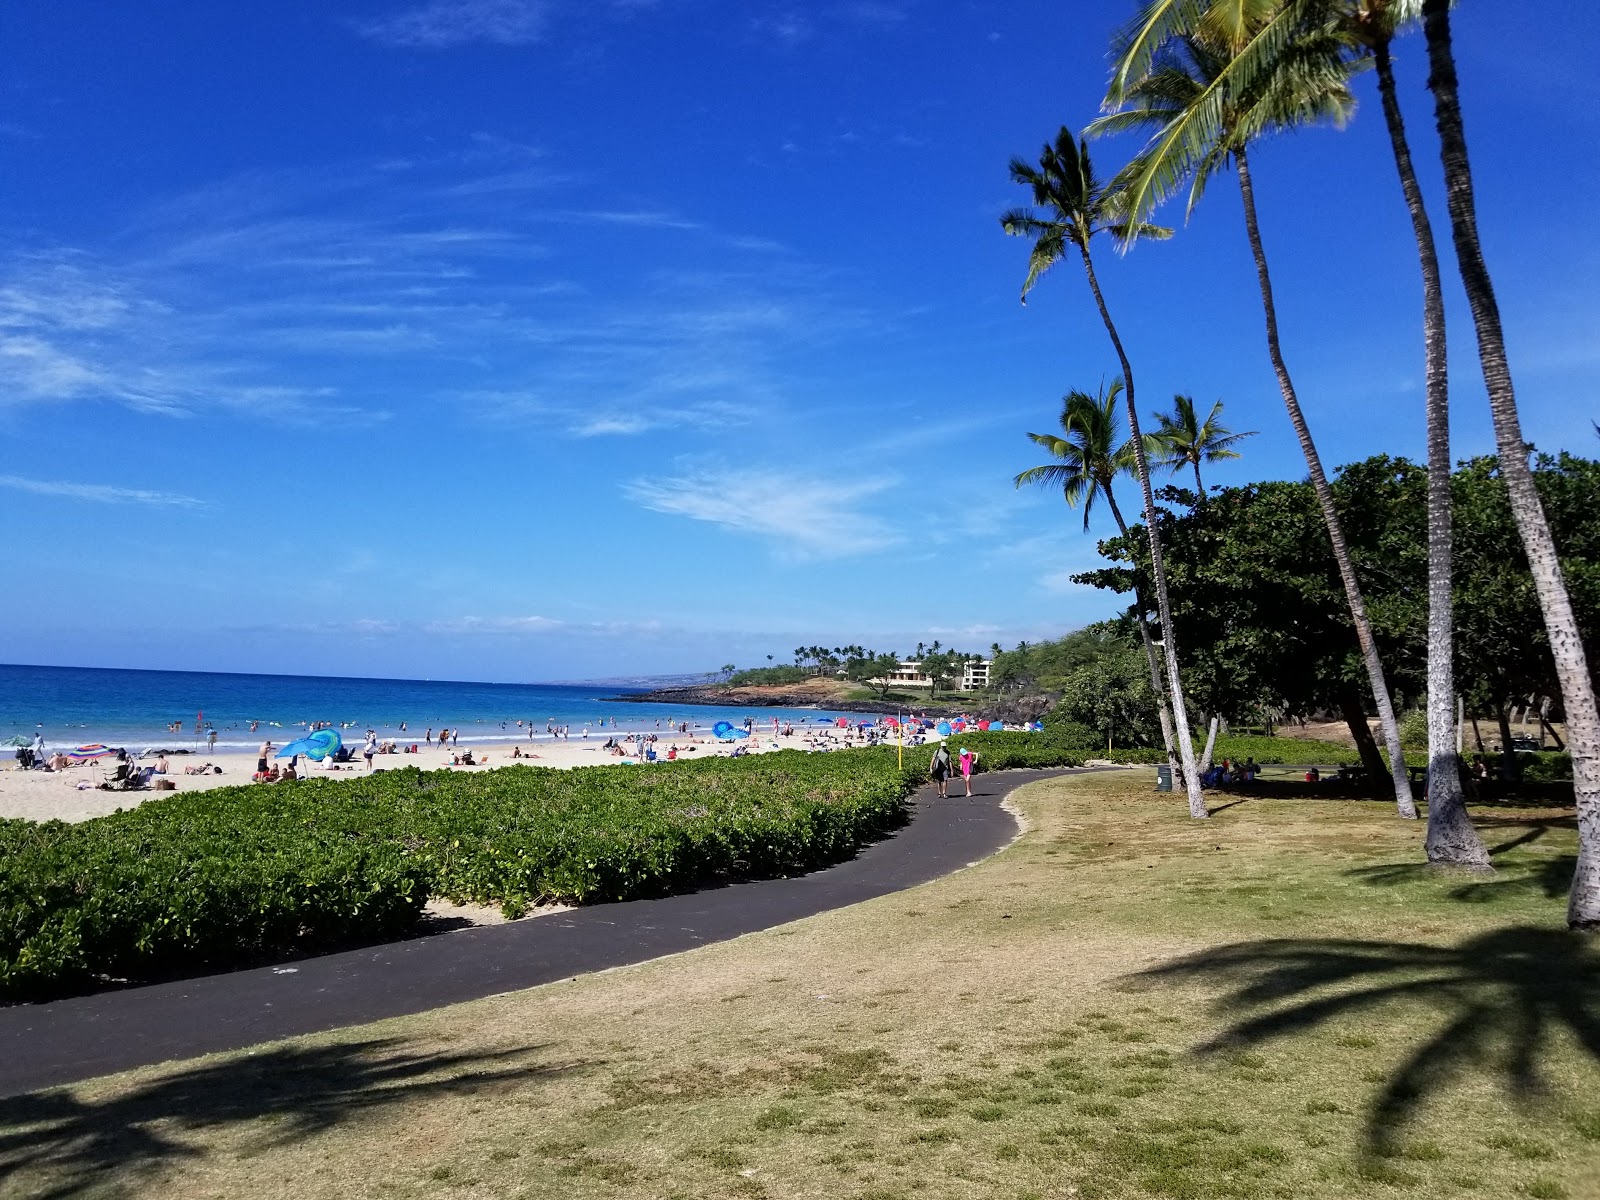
{"points": [[1572, 668], [1330, 515], [1163, 712], [1451, 838], [1158, 571], [1199, 487]]}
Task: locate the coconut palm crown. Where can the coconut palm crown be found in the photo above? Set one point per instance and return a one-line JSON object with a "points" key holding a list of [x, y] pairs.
{"points": [[1183, 439], [1202, 111], [1074, 205], [1089, 452]]}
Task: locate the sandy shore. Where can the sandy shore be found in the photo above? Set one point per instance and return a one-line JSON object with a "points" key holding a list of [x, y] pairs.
{"points": [[71, 794]]}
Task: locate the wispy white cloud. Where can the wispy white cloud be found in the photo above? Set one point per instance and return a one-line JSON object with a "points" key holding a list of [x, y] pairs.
{"points": [[442, 24], [871, 12], [800, 517], [494, 625], [273, 296], [792, 27], [788, 29], [98, 493]]}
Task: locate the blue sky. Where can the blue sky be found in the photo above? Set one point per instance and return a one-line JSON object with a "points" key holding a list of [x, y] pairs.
{"points": [[529, 339]]}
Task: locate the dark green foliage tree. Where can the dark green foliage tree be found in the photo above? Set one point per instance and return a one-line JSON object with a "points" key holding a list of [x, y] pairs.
{"points": [[1258, 599], [1111, 696], [1503, 650], [940, 668], [873, 669], [1045, 666]]}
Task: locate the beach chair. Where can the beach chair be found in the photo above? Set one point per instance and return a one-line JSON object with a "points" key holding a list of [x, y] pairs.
{"points": [[120, 778]]}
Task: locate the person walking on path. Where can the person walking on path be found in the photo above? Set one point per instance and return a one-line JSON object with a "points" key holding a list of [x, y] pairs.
{"points": [[939, 768], [370, 748], [968, 761]]}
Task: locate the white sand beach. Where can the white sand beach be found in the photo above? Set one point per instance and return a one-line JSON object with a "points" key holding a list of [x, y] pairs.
{"points": [[71, 794]]}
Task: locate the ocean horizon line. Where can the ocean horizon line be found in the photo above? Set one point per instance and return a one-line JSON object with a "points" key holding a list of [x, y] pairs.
{"points": [[639, 682]]}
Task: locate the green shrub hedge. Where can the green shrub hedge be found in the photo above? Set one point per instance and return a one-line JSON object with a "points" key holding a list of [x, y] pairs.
{"points": [[212, 879]]}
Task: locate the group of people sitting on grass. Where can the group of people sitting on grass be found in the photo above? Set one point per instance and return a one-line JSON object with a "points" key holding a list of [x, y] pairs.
{"points": [[1227, 772]]}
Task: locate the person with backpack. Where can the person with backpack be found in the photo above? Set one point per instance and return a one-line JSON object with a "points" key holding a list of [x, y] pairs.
{"points": [[939, 768]]}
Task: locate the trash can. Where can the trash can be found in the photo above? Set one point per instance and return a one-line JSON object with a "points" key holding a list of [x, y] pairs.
{"points": [[1164, 779]]}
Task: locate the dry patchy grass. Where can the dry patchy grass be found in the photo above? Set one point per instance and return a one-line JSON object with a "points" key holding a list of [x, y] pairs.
{"points": [[1124, 1003]]}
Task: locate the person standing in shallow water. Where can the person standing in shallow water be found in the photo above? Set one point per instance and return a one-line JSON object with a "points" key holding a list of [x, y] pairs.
{"points": [[939, 768]]}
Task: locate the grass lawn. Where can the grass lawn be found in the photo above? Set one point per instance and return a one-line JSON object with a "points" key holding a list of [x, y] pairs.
{"points": [[1279, 1002]]}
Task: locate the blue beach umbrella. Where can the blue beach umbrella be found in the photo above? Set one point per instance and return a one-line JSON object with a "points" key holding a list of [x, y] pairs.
{"points": [[726, 730], [315, 746], [943, 729]]}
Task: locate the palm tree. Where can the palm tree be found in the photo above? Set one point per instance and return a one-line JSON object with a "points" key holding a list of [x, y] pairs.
{"points": [[1572, 668], [1087, 456], [1184, 438], [1076, 209], [1369, 27], [1202, 124]]}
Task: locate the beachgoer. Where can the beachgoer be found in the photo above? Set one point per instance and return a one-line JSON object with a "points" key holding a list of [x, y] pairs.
{"points": [[455, 737], [370, 748], [161, 765], [939, 768], [968, 760], [262, 755]]}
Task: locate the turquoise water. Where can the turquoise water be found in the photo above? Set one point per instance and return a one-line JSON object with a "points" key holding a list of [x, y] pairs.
{"points": [[75, 705]]}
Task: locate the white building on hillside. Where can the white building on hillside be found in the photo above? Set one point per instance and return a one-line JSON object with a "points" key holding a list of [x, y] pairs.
{"points": [[974, 675]]}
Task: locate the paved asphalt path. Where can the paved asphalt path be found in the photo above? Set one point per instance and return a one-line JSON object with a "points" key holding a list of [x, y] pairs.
{"points": [[45, 1045]]}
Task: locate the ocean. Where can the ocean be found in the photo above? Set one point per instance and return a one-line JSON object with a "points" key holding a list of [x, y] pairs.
{"points": [[77, 705]]}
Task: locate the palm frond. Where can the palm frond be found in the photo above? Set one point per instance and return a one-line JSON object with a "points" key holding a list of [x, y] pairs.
{"points": [[1047, 251], [1135, 46], [1044, 475], [1218, 86], [1020, 222], [1126, 233]]}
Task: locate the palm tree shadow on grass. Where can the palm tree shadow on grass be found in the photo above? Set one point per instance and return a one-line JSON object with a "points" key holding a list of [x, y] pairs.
{"points": [[286, 1093], [1504, 995], [1550, 876]]}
